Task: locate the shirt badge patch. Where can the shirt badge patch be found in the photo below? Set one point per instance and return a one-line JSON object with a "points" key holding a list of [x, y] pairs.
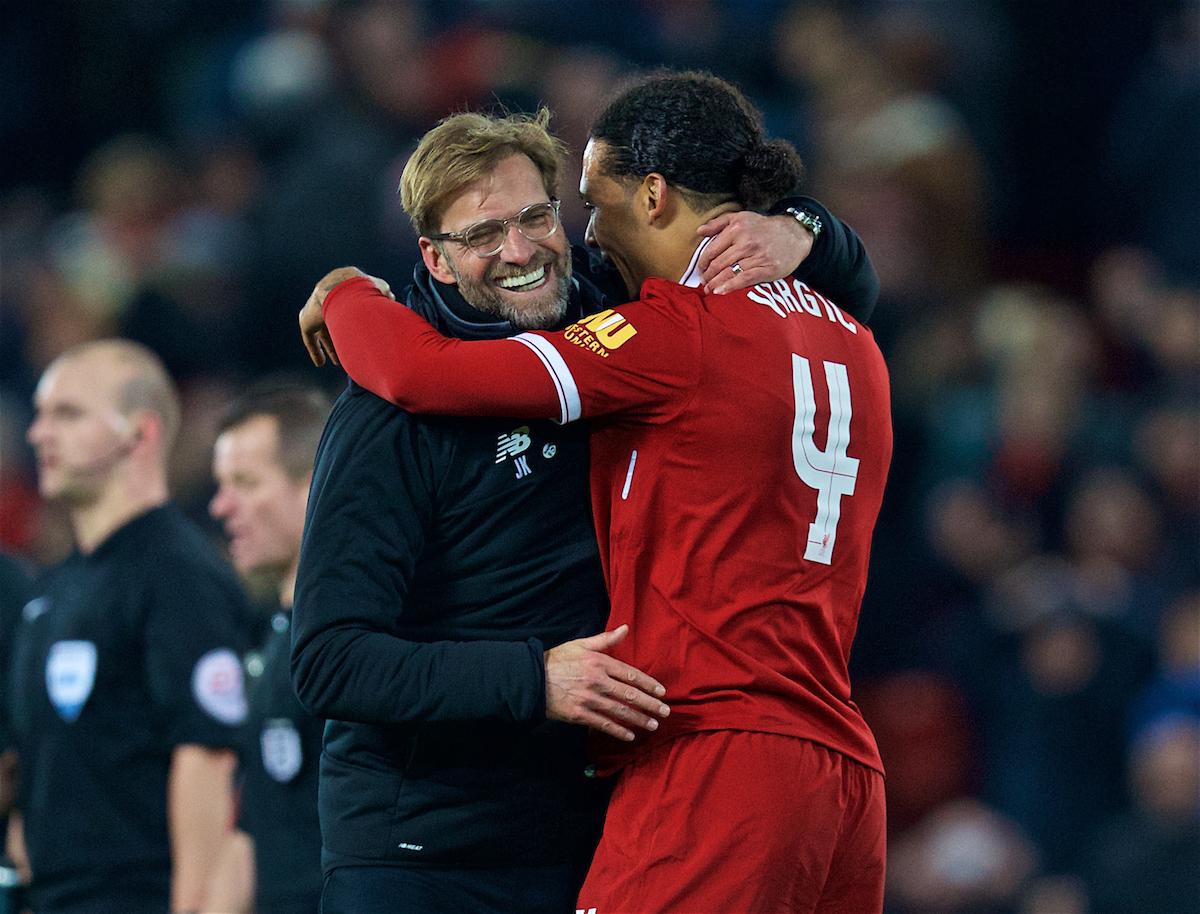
{"points": [[217, 686], [70, 675], [35, 608], [281, 752]]}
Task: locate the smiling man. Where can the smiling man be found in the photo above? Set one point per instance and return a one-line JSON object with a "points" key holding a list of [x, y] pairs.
{"points": [[740, 446], [450, 602]]}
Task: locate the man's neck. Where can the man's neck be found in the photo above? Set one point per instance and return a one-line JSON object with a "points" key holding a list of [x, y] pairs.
{"points": [[677, 241], [287, 587], [94, 523]]}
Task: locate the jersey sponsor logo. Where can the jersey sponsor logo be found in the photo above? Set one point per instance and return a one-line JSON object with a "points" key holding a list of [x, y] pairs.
{"points": [[512, 443], [217, 686], [70, 675], [404, 845], [35, 608], [281, 752], [786, 297], [601, 333]]}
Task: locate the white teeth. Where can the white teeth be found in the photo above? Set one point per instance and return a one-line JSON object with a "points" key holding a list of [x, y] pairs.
{"points": [[526, 279]]}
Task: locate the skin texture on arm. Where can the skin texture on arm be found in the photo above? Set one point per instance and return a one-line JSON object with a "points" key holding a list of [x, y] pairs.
{"points": [[231, 886], [199, 817]]}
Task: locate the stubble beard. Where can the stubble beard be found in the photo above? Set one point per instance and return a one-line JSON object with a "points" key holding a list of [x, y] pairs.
{"points": [[541, 311]]}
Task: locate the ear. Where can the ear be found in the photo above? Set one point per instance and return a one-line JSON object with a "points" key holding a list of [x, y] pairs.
{"points": [[652, 196], [146, 428], [436, 261]]}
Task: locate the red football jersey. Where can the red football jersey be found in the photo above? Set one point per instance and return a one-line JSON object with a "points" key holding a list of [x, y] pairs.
{"points": [[740, 446]]}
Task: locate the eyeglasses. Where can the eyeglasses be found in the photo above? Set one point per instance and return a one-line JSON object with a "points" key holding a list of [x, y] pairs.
{"points": [[486, 238]]}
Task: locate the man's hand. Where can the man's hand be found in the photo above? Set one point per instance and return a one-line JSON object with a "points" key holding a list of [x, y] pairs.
{"points": [[763, 247], [316, 336], [586, 686]]}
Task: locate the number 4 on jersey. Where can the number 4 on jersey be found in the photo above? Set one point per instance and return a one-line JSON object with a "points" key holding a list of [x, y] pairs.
{"points": [[830, 471]]}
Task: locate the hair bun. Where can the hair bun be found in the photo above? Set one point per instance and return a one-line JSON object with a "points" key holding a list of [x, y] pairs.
{"points": [[768, 171]]}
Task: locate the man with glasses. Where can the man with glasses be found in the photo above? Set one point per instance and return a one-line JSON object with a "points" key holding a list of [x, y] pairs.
{"points": [[450, 603]]}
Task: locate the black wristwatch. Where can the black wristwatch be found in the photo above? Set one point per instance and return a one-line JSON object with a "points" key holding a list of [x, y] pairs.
{"points": [[808, 220]]}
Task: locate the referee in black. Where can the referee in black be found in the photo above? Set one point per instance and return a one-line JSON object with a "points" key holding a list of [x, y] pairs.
{"points": [[125, 692]]}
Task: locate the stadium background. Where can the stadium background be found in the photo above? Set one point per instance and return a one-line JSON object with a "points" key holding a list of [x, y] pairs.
{"points": [[1026, 176]]}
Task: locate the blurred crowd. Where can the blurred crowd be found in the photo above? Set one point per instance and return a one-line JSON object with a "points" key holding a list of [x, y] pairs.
{"points": [[1027, 181]]}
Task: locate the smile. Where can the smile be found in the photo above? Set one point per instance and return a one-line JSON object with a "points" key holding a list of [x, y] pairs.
{"points": [[524, 281]]}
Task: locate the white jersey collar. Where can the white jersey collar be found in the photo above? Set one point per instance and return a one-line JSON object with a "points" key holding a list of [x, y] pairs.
{"points": [[691, 276]]}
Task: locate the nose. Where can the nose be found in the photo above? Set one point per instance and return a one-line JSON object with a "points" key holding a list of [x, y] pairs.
{"points": [[517, 248], [220, 505], [37, 431]]}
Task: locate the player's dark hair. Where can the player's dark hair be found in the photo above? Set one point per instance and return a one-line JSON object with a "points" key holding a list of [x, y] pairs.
{"points": [[702, 135], [300, 411]]}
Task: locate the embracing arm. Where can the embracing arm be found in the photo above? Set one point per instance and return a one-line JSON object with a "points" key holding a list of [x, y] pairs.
{"points": [[766, 248], [399, 356], [353, 654], [350, 657], [838, 266]]}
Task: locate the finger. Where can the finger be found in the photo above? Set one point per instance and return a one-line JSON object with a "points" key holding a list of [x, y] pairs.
{"points": [[607, 725], [623, 714], [632, 685], [314, 352], [327, 345], [311, 343], [729, 281], [714, 225], [605, 640]]}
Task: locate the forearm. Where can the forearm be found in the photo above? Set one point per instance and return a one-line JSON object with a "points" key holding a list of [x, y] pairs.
{"points": [[199, 817], [231, 885], [838, 266], [347, 674], [397, 355]]}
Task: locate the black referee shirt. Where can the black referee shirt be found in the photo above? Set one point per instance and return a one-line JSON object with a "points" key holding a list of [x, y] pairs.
{"points": [[121, 656]]}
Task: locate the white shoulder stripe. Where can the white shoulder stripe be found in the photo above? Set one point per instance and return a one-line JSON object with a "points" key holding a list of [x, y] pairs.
{"points": [[564, 382]]}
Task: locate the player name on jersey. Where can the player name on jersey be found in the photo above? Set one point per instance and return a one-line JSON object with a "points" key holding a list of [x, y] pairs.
{"points": [[791, 296]]}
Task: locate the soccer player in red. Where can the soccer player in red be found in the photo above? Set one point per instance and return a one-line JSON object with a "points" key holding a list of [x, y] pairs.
{"points": [[739, 448]]}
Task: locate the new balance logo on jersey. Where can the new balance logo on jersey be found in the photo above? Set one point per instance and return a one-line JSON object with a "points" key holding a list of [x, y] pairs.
{"points": [[512, 443], [522, 465]]}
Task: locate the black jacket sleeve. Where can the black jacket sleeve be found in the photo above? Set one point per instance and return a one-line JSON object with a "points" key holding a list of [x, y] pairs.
{"points": [[356, 654], [838, 266]]}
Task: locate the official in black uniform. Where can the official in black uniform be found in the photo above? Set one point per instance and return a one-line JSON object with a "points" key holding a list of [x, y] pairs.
{"points": [[16, 589], [262, 464], [450, 592], [125, 694]]}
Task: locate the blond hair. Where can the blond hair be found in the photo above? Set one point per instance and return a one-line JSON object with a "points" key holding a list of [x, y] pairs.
{"points": [[464, 148]]}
